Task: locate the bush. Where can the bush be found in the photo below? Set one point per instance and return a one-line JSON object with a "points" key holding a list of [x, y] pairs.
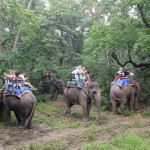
{"points": [[43, 98], [128, 141], [146, 113]]}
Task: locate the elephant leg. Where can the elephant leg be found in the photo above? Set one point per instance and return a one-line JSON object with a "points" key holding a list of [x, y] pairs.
{"points": [[8, 118], [131, 103], [52, 97], [113, 102], [136, 101], [68, 108], [128, 103], [18, 118], [55, 95], [121, 105], [22, 124], [88, 108], [29, 125], [85, 112]]}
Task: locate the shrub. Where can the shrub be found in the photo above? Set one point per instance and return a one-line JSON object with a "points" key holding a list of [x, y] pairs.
{"points": [[146, 113], [128, 141]]}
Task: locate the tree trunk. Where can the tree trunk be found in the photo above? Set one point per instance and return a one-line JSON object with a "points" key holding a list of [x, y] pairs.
{"points": [[17, 36], [1, 48]]}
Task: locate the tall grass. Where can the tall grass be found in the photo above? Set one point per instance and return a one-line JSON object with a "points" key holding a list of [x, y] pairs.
{"points": [[128, 141]]}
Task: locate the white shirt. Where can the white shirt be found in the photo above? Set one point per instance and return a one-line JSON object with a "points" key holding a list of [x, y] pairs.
{"points": [[78, 74], [22, 76]]}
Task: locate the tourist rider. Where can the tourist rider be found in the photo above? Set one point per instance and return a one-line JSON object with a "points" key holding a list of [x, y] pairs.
{"points": [[78, 76]]}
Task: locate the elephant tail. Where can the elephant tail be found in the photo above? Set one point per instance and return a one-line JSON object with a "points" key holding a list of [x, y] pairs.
{"points": [[31, 114], [111, 92]]}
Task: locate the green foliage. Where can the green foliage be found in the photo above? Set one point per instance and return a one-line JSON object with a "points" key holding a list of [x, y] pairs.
{"points": [[43, 98], [146, 113], [98, 146], [90, 135], [69, 33], [127, 112], [50, 114], [52, 145], [139, 123], [129, 141]]}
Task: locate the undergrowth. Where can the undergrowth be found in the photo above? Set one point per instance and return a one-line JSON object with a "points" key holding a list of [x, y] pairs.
{"points": [[128, 141], [51, 145], [146, 113]]}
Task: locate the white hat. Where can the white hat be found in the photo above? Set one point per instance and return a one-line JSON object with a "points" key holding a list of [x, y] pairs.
{"points": [[120, 69]]}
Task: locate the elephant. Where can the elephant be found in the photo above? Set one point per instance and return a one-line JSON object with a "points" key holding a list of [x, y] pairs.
{"points": [[54, 88], [83, 97], [126, 94], [23, 109], [1, 106]]}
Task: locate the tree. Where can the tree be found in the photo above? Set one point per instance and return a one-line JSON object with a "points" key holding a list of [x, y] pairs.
{"points": [[14, 13]]}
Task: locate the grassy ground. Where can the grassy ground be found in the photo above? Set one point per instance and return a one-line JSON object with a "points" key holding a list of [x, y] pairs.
{"points": [[52, 130]]}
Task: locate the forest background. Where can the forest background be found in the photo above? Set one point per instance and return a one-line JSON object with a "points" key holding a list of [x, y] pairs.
{"points": [[102, 35]]}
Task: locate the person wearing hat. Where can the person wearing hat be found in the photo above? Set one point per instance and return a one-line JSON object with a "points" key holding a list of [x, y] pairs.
{"points": [[78, 76], [84, 73], [120, 74], [88, 77]]}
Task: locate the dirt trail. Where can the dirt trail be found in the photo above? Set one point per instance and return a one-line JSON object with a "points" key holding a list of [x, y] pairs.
{"points": [[42, 133]]}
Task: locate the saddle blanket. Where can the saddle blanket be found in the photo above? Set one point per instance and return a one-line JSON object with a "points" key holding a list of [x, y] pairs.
{"points": [[17, 92], [72, 84], [123, 82]]}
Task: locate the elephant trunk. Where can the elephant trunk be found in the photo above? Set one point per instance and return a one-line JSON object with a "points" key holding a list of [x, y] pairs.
{"points": [[31, 115], [98, 103]]}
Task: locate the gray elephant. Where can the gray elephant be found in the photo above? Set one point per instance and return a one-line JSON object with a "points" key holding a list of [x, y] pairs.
{"points": [[54, 88], [126, 94], [23, 108], [1, 106], [83, 97]]}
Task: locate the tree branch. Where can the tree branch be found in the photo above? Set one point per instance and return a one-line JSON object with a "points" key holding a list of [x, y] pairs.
{"points": [[129, 61], [142, 15]]}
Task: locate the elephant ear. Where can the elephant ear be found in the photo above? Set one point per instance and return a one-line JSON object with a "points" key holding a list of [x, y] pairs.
{"points": [[59, 83], [1, 93], [93, 87]]}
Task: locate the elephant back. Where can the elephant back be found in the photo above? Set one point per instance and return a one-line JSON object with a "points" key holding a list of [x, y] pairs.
{"points": [[117, 92]]}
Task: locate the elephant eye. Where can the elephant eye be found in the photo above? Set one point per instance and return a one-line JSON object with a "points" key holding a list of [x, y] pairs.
{"points": [[94, 92]]}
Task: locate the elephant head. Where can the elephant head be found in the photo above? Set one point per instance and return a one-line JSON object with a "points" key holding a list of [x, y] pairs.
{"points": [[60, 84], [45, 86], [93, 91]]}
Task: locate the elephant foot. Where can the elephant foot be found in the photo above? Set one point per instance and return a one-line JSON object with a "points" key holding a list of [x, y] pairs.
{"points": [[113, 113], [119, 112], [29, 127], [21, 127], [69, 115], [51, 99], [99, 118], [85, 119], [8, 125]]}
